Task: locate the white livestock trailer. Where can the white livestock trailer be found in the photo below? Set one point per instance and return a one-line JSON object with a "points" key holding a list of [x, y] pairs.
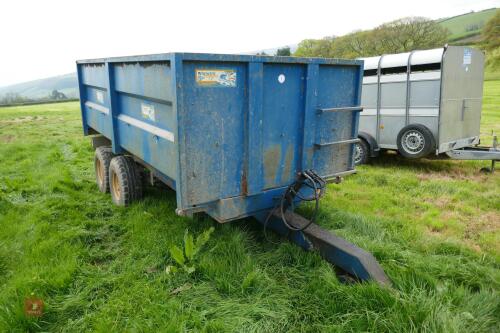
{"points": [[423, 102]]}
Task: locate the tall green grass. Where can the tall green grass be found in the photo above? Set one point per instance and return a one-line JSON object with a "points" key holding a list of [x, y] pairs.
{"points": [[433, 225]]}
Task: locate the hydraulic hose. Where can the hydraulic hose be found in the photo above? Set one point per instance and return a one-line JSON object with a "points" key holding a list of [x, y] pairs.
{"points": [[309, 179]]}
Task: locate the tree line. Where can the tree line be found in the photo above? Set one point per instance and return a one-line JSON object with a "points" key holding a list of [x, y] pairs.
{"points": [[398, 36], [490, 42], [394, 37], [15, 98]]}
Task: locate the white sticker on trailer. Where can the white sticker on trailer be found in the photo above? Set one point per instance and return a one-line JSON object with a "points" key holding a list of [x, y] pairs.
{"points": [[99, 96], [467, 56], [148, 111]]}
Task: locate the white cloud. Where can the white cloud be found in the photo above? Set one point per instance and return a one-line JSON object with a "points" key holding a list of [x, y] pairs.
{"points": [[44, 38]]}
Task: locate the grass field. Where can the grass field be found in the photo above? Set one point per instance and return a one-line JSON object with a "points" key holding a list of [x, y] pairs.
{"points": [[460, 26], [433, 225]]}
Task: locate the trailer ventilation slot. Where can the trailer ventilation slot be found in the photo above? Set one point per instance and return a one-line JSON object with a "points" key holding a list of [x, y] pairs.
{"points": [[394, 70], [426, 67], [370, 72]]}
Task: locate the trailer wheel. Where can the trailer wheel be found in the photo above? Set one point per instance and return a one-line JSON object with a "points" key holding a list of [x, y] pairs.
{"points": [[361, 152], [102, 158], [415, 141], [125, 180]]}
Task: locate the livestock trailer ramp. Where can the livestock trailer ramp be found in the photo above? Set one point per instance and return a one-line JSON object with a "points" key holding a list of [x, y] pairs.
{"points": [[234, 135], [423, 103]]}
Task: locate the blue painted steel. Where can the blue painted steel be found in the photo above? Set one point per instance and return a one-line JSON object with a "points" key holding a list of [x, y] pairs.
{"points": [[228, 132], [111, 96]]}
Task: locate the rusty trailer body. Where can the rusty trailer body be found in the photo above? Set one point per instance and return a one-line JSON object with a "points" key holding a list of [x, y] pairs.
{"points": [[233, 135], [227, 132]]}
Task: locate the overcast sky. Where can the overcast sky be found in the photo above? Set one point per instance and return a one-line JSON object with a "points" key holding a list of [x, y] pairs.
{"points": [[44, 38]]}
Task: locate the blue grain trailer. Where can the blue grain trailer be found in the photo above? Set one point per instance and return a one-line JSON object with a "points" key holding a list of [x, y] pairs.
{"points": [[233, 135]]}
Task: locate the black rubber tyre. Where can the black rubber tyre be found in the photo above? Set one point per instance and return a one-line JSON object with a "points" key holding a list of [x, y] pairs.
{"points": [[415, 141], [361, 152], [125, 180], [102, 158]]}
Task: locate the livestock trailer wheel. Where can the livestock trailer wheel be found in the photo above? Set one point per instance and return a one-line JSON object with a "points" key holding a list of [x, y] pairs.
{"points": [[415, 141], [361, 152], [102, 158], [124, 180]]}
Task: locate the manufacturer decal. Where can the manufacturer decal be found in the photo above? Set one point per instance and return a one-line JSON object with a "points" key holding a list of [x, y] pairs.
{"points": [[148, 111], [216, 77]]}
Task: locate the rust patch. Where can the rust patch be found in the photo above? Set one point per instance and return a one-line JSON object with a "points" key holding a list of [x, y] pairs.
{"points": [[287, 168], [272, 158], [244, 183]]}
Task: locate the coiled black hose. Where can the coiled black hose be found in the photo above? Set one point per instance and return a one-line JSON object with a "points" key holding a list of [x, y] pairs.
{"points": [[307, 178]]}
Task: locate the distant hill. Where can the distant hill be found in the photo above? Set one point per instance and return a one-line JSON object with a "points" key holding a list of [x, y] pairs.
{"points": [[68, 84], [37, 89], [467, 26]]}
